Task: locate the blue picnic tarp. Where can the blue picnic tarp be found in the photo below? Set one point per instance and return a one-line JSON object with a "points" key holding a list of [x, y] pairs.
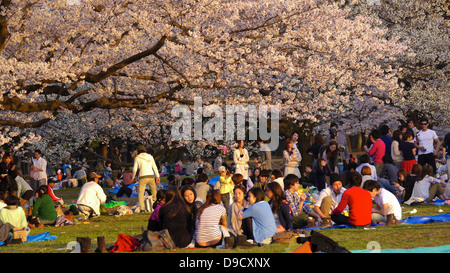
{"points": [[434, 249], [45, 236], [412, 220]]}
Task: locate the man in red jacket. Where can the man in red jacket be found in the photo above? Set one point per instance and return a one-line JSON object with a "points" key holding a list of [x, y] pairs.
{"points": [[359, 203]]}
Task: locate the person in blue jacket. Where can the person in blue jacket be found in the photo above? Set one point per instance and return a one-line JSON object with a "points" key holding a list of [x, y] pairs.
{"points": [[263, 221]]}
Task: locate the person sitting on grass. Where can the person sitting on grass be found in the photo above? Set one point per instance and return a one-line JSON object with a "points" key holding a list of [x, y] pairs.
{"points": [[388, 209], [427, 187], [280, 206], [328, 199], [239, 203], [359, 204], [91, 197], [14, 214], [210, 218], [44, 211], [263, 222]]}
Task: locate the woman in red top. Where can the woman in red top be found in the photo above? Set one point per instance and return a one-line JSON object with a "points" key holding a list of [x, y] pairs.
{"points": [[377, 150], [359, 203]]}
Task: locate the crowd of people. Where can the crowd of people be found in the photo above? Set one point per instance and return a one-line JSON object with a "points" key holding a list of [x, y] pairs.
{"points": [[248, 206]]}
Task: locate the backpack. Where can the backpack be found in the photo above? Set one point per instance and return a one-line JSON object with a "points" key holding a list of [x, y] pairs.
{"points": [[156, 240]]}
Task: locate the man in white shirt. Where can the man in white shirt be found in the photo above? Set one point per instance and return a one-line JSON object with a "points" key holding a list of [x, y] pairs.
{"points": [[388, 209], [148, 170], [91, 196], [329, 199], [40, 165], [425, 139]]}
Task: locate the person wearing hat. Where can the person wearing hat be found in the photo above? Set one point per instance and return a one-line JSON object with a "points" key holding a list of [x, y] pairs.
{"points": [[91, 197], [148, 170], [226, 186], [328, 199]]}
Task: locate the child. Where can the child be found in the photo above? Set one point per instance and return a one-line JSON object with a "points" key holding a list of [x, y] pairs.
{"points": [[388, 209], [408, 149], [226, 186], [153, 221]]}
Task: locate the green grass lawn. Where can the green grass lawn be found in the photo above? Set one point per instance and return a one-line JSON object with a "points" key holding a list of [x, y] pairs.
{"points": [[398, 237]]}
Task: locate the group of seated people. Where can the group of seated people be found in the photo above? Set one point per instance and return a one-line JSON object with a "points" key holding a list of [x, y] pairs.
{"points": [[203, 215]]}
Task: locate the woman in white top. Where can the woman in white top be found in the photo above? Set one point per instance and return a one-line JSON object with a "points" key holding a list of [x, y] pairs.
{"points": [[210, 217], [396, 154], [241, 159], [427, 187], [291, 159]]}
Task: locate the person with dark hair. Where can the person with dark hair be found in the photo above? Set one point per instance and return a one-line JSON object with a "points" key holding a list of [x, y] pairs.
{"points": [[396, 153], [295, 201], [331, 155], [408, 149], [187, 181], [291, 159], [359, 204], [263, 178], [241, 158], [239, 204], [377, 150], [190, 197], [91, 197], [314, 149], [328, 200], [44, 211], [322, 174], [388, 209], [263, 222], [40, 165], [388, 175], [364, 160], [386, 138], [280, 206], [176, 217], [211, 217], [153, 221], [24, 191], [425, 139], [148, 173], [427, 187], [202, 187], [277, 176], [339, 136], [13, 214], [8, 184]]}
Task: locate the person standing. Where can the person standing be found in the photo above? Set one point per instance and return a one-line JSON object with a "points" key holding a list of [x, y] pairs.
{"points": [[40, 165], [377, 150], [265, 156], [241, 159], [291, 159], [425, 139], [148, 170]]}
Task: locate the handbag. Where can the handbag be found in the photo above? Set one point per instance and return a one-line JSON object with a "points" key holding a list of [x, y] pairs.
{"points": [[34, 175]]}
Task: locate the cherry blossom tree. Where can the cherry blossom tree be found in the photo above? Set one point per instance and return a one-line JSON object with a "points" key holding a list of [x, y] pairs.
{"points": [[97, 69]]}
